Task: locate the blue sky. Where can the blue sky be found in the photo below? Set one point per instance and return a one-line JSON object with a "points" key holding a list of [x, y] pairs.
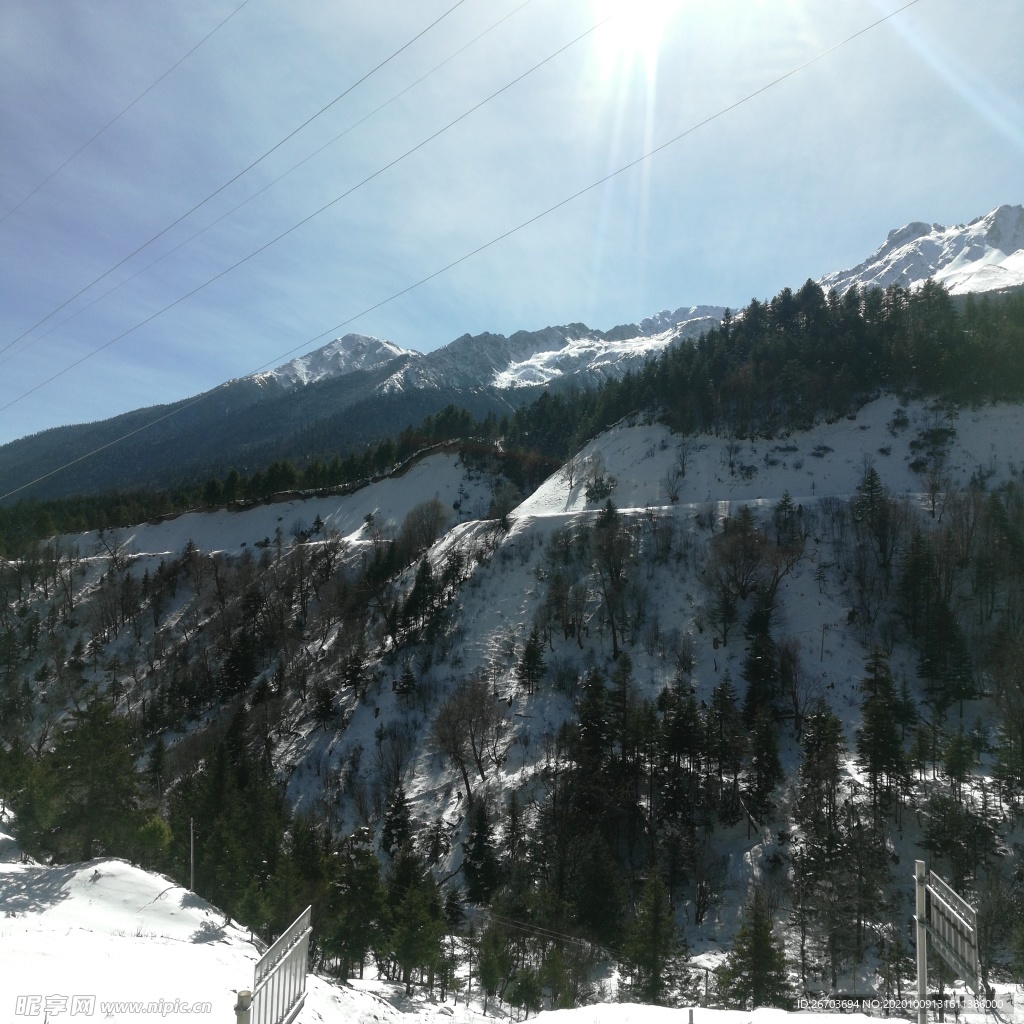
{"points": [[918, 119]]}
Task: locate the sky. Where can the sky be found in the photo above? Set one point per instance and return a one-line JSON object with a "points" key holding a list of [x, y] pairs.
{"points": [[119, 117]]}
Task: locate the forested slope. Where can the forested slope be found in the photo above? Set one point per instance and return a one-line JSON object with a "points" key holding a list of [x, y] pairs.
{"points": [[750, 649]]}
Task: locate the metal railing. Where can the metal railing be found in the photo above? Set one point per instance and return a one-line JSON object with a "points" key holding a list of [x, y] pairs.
{"points": [[279, 980], [953, 926]]}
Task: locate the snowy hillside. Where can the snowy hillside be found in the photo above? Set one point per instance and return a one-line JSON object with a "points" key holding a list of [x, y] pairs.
{"points": [[983, 256], [343, 355], [106, 940], [525, 359], [344, 740]]}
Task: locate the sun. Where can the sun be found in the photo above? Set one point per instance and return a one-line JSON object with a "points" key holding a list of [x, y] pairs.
{"points": [[632, 37]]}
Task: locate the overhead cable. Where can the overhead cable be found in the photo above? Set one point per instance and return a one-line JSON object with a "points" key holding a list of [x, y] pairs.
{"points": [[395, 295], [117, 117], [270, 184], [316, 213], [231, 181]]}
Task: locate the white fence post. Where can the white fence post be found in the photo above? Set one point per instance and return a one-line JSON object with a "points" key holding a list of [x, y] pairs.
{"points": [[922, 942], [243, 1008]]}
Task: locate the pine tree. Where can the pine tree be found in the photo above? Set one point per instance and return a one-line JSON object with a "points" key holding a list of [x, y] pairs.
{"points": [[495, 961], [531, 667], [526, 992], [754, 972], [397, 828], [879, 745], [653, 946], [357, 904], [784, 516], [765, 766], [726, 745], [479, 861], [95, 787]]}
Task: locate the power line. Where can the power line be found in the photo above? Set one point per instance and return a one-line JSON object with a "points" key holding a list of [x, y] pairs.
{"points": [[117, 117], [316, 213], [231, 181], [281, 356], [595, 184], [270, 184]]}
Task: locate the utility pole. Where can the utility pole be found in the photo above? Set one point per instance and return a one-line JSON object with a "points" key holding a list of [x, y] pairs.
{"points": [[192, 854]]}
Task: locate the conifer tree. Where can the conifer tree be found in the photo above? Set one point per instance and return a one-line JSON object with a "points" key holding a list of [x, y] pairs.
{"points": [[397, 828], [653, 946], [725, 744], [754, 973], [879, 744], [357, 903], [479, 862], [765, 766], [495, 962], [531, 667], [526, 992]]}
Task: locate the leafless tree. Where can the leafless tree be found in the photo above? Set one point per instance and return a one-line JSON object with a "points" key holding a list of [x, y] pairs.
{"points": [[465, 727], [670, 483], [962, 510], [422, 526], [112, 542], [708, 874], [800, 689], [684, 455], [571, 470]]}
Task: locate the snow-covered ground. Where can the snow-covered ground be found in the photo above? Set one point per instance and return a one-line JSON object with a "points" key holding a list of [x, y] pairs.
{"points": [[388, 501], [108, 941]]}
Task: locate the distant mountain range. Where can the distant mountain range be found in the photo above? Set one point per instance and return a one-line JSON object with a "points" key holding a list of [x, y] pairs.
{"points": [[352, 391], [526, 359], [985, 255], [357, 389]]}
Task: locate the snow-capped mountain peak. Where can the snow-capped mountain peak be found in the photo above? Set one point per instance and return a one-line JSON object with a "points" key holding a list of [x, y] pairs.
{"points": [[985, 255], [343, 355]]}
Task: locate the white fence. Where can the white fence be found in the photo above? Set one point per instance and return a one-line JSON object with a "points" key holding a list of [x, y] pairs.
{"points": [[953, 927], [279, 984]]}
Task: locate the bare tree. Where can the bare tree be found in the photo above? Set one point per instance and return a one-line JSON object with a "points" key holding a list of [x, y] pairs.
{"points": [[422, 526], [800, 689], [465, 727], [732, 449], [684, 455], [670, 483], [571, 470], [936, 481]]}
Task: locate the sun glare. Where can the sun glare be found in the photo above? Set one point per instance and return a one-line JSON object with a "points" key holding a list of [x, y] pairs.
{"points": [[633, 36]]}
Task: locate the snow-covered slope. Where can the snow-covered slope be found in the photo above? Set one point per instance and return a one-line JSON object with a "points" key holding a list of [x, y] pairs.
{"points": [[86, 941], [982, 256], [343, 355], [523, 359], [75, 925], [610, 356]]}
